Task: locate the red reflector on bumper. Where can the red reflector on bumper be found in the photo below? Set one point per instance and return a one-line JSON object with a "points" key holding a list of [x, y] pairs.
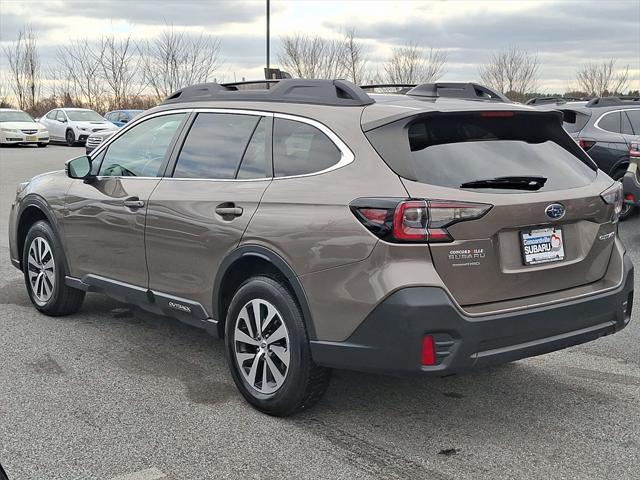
{"points": [[428, 354]]}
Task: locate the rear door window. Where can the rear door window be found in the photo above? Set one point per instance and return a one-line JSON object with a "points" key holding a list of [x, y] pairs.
{"points": [[216, 144], [610, 122], [300, 149], [450, 150]]}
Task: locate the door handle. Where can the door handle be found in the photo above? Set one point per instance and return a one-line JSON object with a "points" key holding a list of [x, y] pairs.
{"points": [[134, 203], [228, 210]]}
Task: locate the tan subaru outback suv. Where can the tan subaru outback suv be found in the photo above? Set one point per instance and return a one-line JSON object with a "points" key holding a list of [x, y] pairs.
{"points": [[316, 225]]}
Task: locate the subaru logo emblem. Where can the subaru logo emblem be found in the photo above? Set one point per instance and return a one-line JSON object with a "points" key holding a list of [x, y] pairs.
{"points": [[555, 211]]}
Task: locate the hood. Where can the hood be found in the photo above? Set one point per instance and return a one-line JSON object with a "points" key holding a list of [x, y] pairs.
{"points": [[104, 124], [21, 125], [104, 134]]}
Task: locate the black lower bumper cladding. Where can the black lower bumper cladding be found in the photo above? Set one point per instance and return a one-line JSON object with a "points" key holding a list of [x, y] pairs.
{"points": [[390, 339]]}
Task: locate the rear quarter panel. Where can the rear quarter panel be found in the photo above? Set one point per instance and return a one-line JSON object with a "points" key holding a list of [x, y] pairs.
{"points": [[307, 220]]}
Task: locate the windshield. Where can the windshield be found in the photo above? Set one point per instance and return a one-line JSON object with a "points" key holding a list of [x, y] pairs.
{"points": [[15, 117], [84, 116]]}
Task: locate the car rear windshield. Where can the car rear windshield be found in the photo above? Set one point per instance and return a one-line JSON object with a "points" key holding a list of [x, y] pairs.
{"points": [[84, 116], [574, 121], [450, 150]]}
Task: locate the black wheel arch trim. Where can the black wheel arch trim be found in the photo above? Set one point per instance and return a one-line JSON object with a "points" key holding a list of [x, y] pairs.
{"points": [[33, 200], [278, 262]]}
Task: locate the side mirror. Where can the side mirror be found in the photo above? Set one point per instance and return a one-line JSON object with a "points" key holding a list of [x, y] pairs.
{"points": [[64, 120], [79, 168]]}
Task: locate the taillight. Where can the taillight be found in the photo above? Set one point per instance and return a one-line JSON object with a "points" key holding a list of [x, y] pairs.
{"points": [[586, 144], [613, 196], [634, 150], [410, 221], [414, 221]]}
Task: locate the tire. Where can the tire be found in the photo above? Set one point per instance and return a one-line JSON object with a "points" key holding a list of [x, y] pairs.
{"points": [[300, 384], [627, 209], [70, 138], [42, 145], [44, 273]]}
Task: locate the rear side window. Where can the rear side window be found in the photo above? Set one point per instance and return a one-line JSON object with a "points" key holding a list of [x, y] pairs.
{"points": [[216, 144], [300, 148], [610, 122], [450, 150], [52, 115], [634, 118]]}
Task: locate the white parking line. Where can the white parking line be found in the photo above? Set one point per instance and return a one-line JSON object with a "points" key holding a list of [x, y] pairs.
{"points": [[148, 474]]}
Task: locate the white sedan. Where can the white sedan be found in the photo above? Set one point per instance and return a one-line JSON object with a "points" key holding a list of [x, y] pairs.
{"points": [[74, 125], [17, 127]]}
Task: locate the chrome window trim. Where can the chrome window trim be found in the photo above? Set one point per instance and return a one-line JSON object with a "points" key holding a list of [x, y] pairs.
{"points": [[597, 122], [130, 125], [346, 156]]}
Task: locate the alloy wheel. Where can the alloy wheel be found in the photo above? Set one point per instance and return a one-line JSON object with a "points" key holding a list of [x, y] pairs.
{"points": [[261, 346], [41, 269]]}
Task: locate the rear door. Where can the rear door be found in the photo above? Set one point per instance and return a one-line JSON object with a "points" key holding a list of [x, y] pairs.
{"points": [[199, 211], [534, 239]]}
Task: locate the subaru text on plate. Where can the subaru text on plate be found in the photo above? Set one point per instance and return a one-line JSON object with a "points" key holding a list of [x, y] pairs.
{"points": [[318, 225]]}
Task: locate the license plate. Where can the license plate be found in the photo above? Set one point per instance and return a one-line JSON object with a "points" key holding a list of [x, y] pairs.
{"points": [[32, 138], [542, 245]]}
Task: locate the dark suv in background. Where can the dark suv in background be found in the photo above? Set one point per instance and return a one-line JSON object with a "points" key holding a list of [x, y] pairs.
{"points": [[318, 225], [606, 128]]}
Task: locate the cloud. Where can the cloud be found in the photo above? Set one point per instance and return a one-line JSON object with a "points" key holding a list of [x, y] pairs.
{"points": [[563, 34]]}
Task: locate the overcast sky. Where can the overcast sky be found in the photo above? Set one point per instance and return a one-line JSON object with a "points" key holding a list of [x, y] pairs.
{"points": [[563, 33]]}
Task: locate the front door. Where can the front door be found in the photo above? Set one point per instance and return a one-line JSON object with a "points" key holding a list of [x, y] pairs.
{"points": [[197, 215], [104, 220]]}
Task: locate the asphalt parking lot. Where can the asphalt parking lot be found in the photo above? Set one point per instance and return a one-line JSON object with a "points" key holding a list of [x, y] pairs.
{"points": [[100, 396]]}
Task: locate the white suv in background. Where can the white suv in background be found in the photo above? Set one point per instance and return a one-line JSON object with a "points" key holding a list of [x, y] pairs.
{"points": [[74, 125], [17, 127]]}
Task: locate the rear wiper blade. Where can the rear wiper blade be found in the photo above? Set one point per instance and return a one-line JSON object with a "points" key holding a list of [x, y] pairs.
{"points": [[532, 183]]}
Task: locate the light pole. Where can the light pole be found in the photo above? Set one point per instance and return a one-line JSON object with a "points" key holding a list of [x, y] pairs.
{"points": [[268, 71]]}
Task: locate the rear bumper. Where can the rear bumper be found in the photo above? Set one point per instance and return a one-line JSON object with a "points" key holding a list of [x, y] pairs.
{"points": [[631, 184], [390, 339]]}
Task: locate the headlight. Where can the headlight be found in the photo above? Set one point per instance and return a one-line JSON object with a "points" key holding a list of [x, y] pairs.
{"points": [[613, 196], [10, 130]]}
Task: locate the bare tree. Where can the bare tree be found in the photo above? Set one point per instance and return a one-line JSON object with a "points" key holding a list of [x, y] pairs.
{"points": [[354, 58], [602, 79], [120, 67], [176, 59], [79, 62], [312, 56], [4, 91], [411, 64], [513, 71], [24, 66]]}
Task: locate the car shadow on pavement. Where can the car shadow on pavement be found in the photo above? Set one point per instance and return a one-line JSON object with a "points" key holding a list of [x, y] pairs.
{"points": [[488, 402]]}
